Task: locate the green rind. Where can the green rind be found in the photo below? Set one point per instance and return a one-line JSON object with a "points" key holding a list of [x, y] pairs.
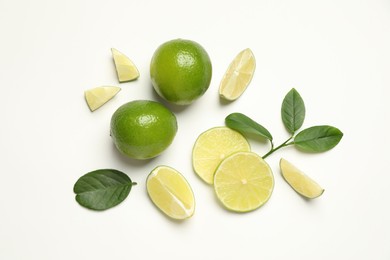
{"points": [[173, 64]]}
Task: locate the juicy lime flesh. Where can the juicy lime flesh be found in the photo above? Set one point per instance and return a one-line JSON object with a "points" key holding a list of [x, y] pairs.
{"points": [[299, 181], [143, 129], [180, 71], [243, 182], [214, 145], [97, 97], [125, 68], [171, 192], [238, 75]]}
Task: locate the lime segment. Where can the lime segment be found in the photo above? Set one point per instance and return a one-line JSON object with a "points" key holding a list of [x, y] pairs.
{"points": [[97, 97], [125, 68], [171, 192], [238, 75], [299, 181]]}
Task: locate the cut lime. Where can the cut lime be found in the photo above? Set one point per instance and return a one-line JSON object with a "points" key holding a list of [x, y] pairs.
{"points": [[299, 181], [125, 68], [97, 97], [171, 192], [214, 145], [243, 182], [238, 75]]}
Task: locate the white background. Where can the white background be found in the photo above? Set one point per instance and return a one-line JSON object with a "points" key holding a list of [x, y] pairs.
{"points": [[335, 53]]}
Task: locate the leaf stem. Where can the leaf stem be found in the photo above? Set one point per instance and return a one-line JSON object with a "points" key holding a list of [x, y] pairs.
{"points": [[284, 144], [272, 145]]}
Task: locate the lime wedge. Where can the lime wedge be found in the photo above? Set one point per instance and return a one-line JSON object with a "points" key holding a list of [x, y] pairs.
{"points": [[171, 192], [243, 182], [125, 68], [238, 75], [214, 145], [299, 181], [97, 97]]}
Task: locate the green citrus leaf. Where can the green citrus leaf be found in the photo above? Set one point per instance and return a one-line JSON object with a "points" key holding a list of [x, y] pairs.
{"points": [[293, 111], [246, 125], [102, 189], [318, 138]]}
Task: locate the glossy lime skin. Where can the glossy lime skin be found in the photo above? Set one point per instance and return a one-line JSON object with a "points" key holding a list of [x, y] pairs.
{"points": [[143, 129], [180, 71]]}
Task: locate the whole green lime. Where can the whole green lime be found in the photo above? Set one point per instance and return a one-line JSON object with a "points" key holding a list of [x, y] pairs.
{"points": [[180, 71], [143, 129]]}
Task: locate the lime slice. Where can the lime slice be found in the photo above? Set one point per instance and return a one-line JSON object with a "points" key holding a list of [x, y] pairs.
{"points": [[171, 192], [214, 145], [299, 181], [243, 182], [125, 68], [97, 97], [238, 75]]}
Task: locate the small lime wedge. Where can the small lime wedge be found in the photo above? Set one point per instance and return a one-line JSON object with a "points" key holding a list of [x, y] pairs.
{"points": [[97, 97], [125, 68], [238, 75], [299, 181], [214, 145], [170, 192], [243, 182]]}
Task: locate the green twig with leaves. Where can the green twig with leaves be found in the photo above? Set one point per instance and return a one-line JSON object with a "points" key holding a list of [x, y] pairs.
{"points": [[319, 138]]}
